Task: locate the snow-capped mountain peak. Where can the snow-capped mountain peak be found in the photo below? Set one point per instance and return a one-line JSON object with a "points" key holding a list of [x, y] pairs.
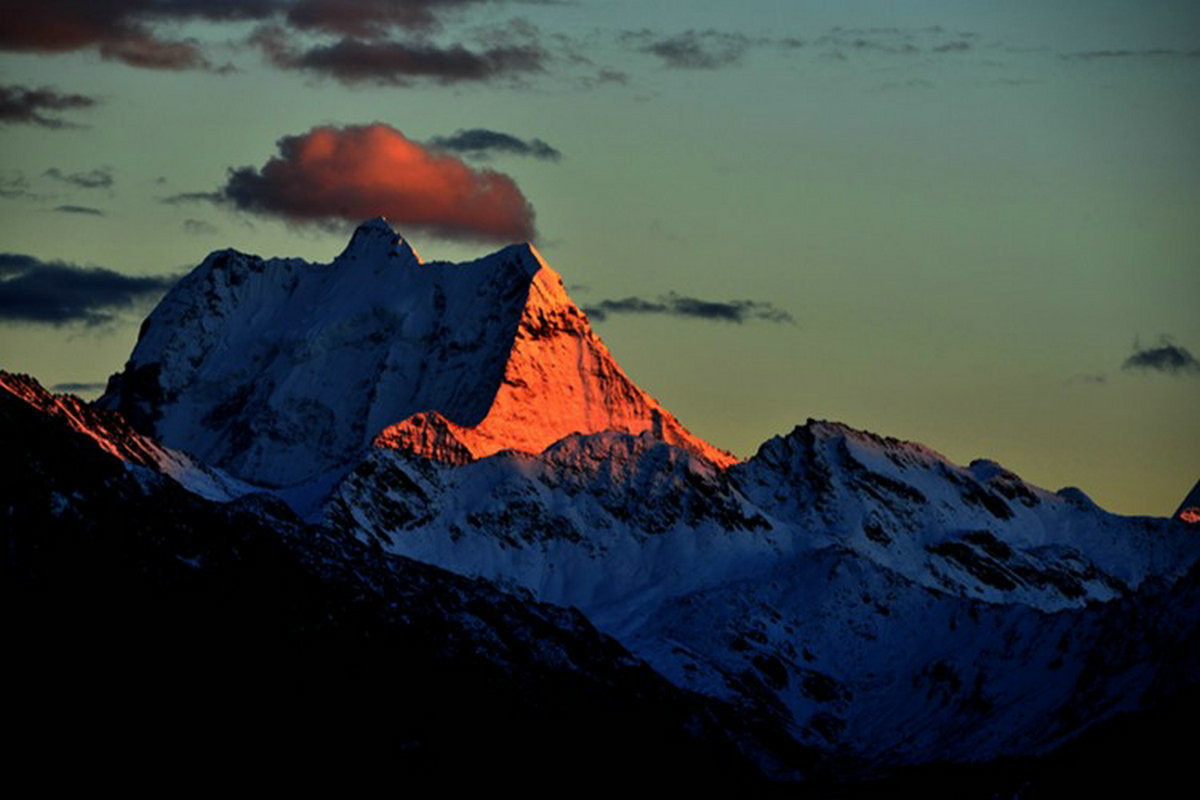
{"points": [[374, 240], [280, 370]]}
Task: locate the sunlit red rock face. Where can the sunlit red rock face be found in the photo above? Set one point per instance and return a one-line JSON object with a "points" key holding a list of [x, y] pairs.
{"points": [[559, 379], [108, 430], [279, 371], [1189, 509], [115, 436]]}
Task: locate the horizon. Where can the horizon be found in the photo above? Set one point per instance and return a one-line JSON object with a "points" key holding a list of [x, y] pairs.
{"points": [[959, 225]]}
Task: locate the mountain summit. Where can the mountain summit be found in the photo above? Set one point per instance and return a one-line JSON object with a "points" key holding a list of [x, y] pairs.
{"points": [[278, 370]]}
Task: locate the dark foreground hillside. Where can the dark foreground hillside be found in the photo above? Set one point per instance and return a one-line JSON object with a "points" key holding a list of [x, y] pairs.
{"points": [[149, 632], [155, 639]]}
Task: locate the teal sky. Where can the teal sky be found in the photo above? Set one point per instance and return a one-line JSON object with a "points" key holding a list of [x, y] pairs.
{"points": [[971, 210]]}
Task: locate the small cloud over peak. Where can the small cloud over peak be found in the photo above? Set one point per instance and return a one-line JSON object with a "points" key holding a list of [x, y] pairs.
{"points": [[347, 174]]}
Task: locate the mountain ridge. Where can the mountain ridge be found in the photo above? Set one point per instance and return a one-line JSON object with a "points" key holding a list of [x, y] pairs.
{"points": [[875, 604]]}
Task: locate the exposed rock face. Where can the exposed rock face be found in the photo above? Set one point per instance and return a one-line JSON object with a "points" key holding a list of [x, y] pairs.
{"points": [[279, 370], [1189, 509], [110, 432]]}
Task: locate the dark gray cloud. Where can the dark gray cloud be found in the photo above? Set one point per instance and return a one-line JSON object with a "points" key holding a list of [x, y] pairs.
{"points": [[1166, 357], [1156, 52], [603, 76], [482, 143], [838, 41], [372, 18], [86, 388], [58, 293], [128, 30], [672, 304], [184, 198], [118, 30], [147, 52], [198, 227], [708, 49], [397, 63], [69, 209], [14, 186], [24, 106], [1093, 378], [101, 178]]}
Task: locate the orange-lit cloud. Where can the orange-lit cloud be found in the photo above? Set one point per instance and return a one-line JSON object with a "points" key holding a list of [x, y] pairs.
{"points": [[362, 171]]}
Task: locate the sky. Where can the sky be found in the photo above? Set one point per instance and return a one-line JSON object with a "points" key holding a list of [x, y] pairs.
{"points": [[971, 224]]}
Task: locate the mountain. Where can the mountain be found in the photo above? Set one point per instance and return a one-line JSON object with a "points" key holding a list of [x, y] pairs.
{"points": [[279, 371], [867, 594], [442, 468]]}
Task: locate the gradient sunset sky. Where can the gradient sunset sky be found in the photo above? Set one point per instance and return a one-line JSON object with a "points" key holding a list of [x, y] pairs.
{"points": [[971, 224]]}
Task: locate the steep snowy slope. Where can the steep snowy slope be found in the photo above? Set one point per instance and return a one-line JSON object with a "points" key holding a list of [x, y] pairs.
{"points": [[611, 521], [279, 370]]}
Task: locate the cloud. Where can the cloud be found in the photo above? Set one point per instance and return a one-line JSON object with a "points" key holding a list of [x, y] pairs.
{"points": [[1093, 378], [198, 227], [839, 41], [396, 63], [192, 197], [92, 179], [1166, 357], [692, 49], [481, 142], [371, 18], [735, 311], [125, 30], [22, 105], [604, 76], [86, 388], [145, 51], [1157, 52], [58, 293], [117, 29], [14, 185], [352, 173], [69, 209]]}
